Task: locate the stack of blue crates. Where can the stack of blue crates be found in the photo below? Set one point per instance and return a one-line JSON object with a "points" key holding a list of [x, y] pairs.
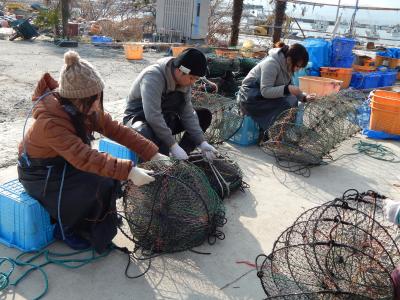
{"points": [[388, 78], [24, 223], [248, 133], [117, 150], [365, 81], [342, 52]]}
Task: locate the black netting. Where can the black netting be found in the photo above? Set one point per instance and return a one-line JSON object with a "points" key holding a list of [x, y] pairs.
{"points": [[306, 135], [176, 212], [226, 118], [218, 66], [338, 250], [224, 174]]}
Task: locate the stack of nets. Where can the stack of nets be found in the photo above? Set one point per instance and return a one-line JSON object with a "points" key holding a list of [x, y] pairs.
{"points": [[226, 118], [246, 64], [305, 136], [218, 66], [224, 175], [176, 212], [343, 249]]}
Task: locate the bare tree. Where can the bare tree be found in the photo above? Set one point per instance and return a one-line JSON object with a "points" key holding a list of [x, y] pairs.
{"points": [[218, 22], [64, 16], [280, 9], [236, 16]]}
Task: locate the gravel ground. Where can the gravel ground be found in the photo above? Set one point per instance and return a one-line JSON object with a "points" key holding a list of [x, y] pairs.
{"points": [[23, 62]]}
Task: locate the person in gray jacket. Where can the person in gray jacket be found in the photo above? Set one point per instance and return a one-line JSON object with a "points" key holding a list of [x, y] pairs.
{"points": [[159, 105], [267, 90]]}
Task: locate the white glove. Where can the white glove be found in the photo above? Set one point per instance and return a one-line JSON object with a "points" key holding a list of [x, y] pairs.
{"points": [[208, 150], [178, 152], [159, 156], [140, 176], [391, 209]]}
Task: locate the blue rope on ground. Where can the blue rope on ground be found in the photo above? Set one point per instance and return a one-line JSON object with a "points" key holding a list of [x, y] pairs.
{"points": [[61, 259]]}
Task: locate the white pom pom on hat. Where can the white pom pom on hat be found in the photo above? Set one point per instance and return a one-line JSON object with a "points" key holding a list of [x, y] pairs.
{"points": [[78, 78], [71, 57]]}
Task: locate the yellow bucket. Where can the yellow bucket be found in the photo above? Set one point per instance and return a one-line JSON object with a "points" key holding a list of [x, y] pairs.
{"points": [[133, 51]]}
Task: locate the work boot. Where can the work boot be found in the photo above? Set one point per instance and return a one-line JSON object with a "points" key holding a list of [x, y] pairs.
{"points": [[73, 240]]}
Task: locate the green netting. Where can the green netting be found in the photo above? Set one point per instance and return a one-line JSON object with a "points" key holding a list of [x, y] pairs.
{"points": [[246, 64], [224, 174], [176, 212], [306, 136], [226, 117], [218, 66], [339, 250]]}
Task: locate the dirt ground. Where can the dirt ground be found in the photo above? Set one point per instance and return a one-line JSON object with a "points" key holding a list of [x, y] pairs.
{"points": [[23, 62]]}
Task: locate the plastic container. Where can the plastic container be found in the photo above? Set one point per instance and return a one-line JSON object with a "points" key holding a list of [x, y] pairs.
{"points": [[385, 111], [95, 29], [178, 50], [73, 29], [387, 78], [96, 39], [24, 223], [319, 85], [319, 52], [132, 51], [367, 68], [24, 29], [343, 74], [341, 61], [117, 150], [342, 46], [248, 133], [363, 81]]}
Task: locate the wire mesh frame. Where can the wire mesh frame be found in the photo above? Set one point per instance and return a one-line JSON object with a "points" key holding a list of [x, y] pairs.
{"points": [[307, 231], [224, 174], [176, 212], [226, 116], [301, 138]]}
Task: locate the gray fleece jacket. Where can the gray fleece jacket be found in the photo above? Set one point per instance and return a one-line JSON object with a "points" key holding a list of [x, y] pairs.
{"points": [[271, 73], [153, 82]]}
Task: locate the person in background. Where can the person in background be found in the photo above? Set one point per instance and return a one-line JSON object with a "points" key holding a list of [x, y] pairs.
{"points": [[75, 183], [159, 105], [267, 89]]}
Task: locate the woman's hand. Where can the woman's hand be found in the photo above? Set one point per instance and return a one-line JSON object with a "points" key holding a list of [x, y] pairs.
{"points": [[311, 97], [294, 90]]}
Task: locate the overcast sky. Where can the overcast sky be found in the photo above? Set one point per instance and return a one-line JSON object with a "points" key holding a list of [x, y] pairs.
{"points": [[326, 12]]}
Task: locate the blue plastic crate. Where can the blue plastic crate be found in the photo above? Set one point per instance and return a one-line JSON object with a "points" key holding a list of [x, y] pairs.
{"points": [[96, 39], [387, 78], [365, 80], [343, 46], [117, 150], [24, 223], [247, 134], [341, 61]]}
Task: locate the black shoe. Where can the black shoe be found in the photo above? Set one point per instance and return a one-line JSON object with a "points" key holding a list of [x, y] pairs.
{"points": [[73, 240]]}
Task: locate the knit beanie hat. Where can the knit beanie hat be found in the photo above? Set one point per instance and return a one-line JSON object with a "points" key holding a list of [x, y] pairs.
{"points": [[191, 61], [78, 78]]}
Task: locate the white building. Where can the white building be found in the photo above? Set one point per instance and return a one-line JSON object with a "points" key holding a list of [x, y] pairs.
{"points": [[183, 19]]}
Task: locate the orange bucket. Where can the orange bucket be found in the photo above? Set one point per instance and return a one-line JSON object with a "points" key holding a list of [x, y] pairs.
{"points": [[385, 111], [178, 50], [319, 85], [133, 51], [342, 74]]}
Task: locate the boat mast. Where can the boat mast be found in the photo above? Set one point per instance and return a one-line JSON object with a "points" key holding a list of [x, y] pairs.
{"points": [[353, 18]]}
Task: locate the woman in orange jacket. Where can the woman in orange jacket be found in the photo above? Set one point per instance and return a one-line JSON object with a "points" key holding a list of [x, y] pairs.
{"points": [[76, 184]]}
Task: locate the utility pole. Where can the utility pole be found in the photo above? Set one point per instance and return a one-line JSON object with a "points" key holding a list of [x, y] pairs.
{"points": [[338, 8]]}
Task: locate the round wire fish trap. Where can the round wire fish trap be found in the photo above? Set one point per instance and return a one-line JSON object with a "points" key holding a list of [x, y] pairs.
{"points": [[226, 118], [218, 66], [224, 174], [306, 135], [333, 251], [176, 212]]}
